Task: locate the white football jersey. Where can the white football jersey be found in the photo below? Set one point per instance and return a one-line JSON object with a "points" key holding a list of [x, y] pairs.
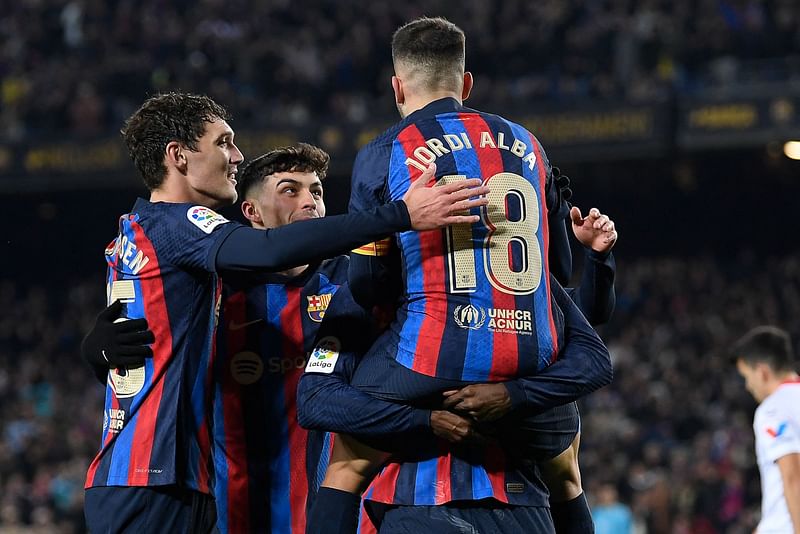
{"points": [[777, 429]]}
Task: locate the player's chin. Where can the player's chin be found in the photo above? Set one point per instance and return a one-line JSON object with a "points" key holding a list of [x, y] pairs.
{"points": [[229, 196]]}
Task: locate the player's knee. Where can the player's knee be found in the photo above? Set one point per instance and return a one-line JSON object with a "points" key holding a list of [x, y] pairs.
{"points": [[562, 474]]}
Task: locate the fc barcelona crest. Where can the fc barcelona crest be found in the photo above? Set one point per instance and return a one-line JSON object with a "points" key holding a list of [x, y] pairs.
{"points": [[317, 304]]}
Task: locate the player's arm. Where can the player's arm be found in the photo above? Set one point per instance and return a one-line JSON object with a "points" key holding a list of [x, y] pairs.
{"points": [[584, 366], [326, 401], [374, 274], [422, 208], [557, 193], [595, 296], [329, 403], [789, 466]]}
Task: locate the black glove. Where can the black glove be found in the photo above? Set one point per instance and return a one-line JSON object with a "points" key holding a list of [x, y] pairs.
{"points": [[562, 181], [121, 344], [559, 190]]}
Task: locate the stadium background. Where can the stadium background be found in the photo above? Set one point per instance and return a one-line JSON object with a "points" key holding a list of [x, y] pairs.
{"points": [[670, 116]]}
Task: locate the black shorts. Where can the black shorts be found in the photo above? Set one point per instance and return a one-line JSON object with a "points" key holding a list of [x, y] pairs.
{"points": [[487, 516], [137, 510], [534, 437]]}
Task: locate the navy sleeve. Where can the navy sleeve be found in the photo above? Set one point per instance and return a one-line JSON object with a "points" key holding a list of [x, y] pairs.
{"points": [[375, 280], [188, 235], [326, 400], [584, 365], [308, 241], [595, 296], [373, 276], [559, 254]]}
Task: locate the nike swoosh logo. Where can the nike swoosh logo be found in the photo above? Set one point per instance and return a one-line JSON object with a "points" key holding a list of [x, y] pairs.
{"points": [[233, 325]]}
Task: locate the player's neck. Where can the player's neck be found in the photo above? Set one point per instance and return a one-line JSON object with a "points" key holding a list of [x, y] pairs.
{"points": [[780, 380], [416, 102], [175, 191]]}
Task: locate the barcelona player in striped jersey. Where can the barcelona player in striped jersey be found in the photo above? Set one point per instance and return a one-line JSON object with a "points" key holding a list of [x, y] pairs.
{"points": [[479, 304], [268, 467], [327, 401], [154, 463]]}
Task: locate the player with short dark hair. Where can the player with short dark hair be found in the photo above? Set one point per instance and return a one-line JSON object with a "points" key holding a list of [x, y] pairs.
{"points": [[268, 467], [765, 360], [155, 461], [478, 303]]}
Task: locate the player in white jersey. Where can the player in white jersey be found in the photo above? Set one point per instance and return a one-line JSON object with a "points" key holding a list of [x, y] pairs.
{"points": [[764, 358]]}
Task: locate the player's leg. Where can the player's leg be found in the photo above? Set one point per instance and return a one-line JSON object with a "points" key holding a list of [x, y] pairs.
{"points": [[336, 506], [568, 505], [353, 464], [552, 440]]}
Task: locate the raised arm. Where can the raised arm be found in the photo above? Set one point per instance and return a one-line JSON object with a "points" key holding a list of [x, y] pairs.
{"points": [[595, 296]]}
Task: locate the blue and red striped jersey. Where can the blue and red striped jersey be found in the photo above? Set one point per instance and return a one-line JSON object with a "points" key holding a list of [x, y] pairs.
{"points": [[457, 475], [268, 467], [477, 303], [155, 425]]}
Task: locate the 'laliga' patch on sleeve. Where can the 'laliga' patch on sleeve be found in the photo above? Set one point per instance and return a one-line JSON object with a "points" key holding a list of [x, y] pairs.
{"points": [[204, 218], [324, 356]]}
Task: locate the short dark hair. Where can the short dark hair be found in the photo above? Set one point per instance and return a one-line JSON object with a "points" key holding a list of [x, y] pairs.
{"points": [[164, 118], [301, 157], [767, 344], [433, 45]]}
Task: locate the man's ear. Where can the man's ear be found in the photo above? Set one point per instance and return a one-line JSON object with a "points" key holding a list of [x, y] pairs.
{"points": [[251, 213], [467, 88], [399, 94], [175, 156], [764, 371]]}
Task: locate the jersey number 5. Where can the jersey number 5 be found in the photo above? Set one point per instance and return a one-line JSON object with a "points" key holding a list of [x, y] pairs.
{"points": [[504, 236]]}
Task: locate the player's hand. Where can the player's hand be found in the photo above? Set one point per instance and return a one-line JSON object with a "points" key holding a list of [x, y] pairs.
{"points": [[454, 428], [557, 189], [435, 207], [595, 231], [115, 343], [482, 402]]}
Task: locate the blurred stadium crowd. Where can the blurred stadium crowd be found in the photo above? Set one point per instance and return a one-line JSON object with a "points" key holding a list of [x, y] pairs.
{"points": [[82, 66], [672, 433]]}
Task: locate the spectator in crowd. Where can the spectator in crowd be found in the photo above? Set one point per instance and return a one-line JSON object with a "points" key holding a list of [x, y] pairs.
{"points": [[611, 516], [108, 57]]}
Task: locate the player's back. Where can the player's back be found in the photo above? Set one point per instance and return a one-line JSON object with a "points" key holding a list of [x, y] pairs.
{"points": [[477, 302]]}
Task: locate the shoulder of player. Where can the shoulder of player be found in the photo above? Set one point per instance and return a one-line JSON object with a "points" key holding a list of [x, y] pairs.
{"points": [[335, 268], [783, 400]]}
